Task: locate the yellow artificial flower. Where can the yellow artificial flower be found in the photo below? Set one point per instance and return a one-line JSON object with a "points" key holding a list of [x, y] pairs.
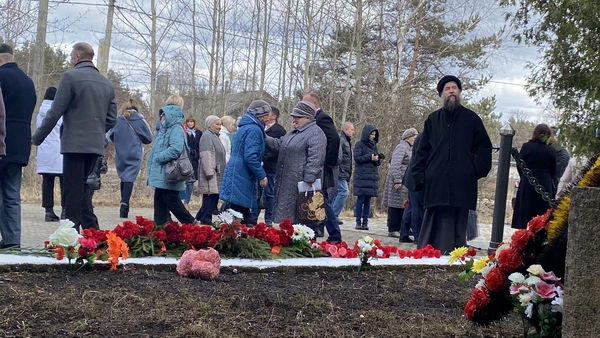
{"points": [[479, 264], [457, 254]]}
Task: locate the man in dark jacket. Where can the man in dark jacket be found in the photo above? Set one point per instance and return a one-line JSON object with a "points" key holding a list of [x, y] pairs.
{"points": [[453, 153], [269, 160], [19, 99], [86, 101], [325, 122], [345, 170]]}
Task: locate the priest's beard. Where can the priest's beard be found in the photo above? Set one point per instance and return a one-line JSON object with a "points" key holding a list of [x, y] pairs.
{"points": [[450, 103]]}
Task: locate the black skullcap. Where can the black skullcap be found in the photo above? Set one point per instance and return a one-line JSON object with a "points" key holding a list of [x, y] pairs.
{"points": [[446, 79]]}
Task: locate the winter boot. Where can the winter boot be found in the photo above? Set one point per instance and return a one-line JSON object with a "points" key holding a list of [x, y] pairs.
{"points": [[365, 224], [358, 225], [124, 211], [50, 216]]}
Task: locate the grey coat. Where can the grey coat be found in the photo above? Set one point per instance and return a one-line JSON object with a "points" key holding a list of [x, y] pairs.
{"points": [[398, 165], [128, 137], [86, 101], [211, 163], [301, 158]]}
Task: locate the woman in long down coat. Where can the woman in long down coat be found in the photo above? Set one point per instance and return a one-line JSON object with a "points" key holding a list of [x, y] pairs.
{"points": [[395, 193], [210, 168], [301, 158], [540, 158], [366, 174], [129, 133]]}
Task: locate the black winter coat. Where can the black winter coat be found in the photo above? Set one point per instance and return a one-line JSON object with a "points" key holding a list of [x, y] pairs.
{"points": [[270, 157], [345, 167], [540, 158], [366, 172], [453, 153], [325, 122], [19, 96], [193, 142]]}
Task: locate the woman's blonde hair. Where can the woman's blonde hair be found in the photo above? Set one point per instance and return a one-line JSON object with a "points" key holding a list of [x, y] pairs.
{"points": [[128, 106], [227, 121], [193, 119], [176, 100]]}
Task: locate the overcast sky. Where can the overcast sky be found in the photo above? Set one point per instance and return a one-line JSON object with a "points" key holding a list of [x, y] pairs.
{"points": [[507, 66]]}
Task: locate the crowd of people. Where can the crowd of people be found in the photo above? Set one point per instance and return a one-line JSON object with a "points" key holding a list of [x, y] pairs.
{"points": [[253, 163]]}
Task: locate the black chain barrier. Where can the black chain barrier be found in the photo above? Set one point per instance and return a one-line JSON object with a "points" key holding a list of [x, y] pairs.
{"points": [[532, 179]]}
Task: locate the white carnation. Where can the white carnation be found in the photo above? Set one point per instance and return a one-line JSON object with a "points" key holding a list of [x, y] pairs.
{"points": [[536, 269], [516, 277]]}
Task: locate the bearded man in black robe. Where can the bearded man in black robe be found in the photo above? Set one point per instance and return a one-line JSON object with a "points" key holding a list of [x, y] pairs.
{"points": [[455, 151]]}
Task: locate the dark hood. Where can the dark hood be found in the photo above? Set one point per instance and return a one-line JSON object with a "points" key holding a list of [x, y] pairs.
{"points": [[367, 130]]}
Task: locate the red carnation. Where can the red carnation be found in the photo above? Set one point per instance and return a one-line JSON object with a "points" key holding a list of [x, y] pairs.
{"points": [[470, 309], [471, 252], [481, 297], [510, 260], [60, 253], [539, 222], [495, 280], [520, 239], [159, 235]]}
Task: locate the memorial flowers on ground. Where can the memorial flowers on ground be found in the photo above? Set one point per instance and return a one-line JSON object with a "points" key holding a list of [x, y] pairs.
{"points": [[227, 236]]}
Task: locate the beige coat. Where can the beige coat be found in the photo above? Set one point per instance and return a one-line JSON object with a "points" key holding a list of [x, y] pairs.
{"points": [[211, 163]]}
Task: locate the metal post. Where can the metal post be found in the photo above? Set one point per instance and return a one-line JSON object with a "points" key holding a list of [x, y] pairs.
{"points": [[506, 137]]}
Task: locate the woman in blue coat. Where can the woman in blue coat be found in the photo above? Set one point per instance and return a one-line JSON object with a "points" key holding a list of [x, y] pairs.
{"points": [[244, 167], [366, 174], [167, 146], [129, 133]]}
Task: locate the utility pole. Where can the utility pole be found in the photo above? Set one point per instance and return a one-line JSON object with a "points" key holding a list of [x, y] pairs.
{"points": [[105, 43], [40, 47]]}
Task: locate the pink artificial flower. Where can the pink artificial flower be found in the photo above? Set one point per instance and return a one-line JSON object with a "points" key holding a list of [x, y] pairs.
{"points": [[204, 264], [342, 251], [545, 290], [87, 243], [516, 289], [333, 251], [549, 277]]}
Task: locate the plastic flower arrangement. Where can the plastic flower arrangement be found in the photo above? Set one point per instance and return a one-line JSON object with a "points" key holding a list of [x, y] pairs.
{"points": [[366, 249], [466, 257], [203, 264], [301, 237], [539, 299], [490, 299], [64, 241]]}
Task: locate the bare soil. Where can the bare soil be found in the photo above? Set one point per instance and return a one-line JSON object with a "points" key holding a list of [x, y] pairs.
{"points": [[153, 301]]}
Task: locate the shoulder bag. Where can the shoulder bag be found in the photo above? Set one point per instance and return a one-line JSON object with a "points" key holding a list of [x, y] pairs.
{"points": [[179, 169]]}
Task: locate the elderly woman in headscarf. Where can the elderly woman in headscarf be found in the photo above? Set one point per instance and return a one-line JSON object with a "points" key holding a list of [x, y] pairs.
{"points": [[395, 193], [301, 158], [211, 165], [244, 167]]}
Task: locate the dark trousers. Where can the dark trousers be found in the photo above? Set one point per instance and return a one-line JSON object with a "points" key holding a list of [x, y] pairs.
{"points": [[166, 202], [209, 203], [48, 190], [78, 202], [331, 224], [248, 219], [363, 208], [394, 219], [126, 191], [413, 215]]}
